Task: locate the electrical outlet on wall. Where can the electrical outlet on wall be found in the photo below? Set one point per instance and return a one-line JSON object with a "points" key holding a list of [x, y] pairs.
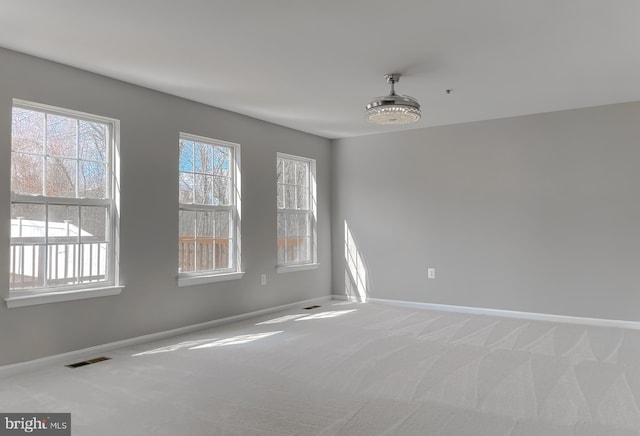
{"points": [[263, 279], [431, 273]]}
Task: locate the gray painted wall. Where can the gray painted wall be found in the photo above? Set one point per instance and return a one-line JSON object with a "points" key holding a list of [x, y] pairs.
{"points": [[538, 213], [151, 301]]}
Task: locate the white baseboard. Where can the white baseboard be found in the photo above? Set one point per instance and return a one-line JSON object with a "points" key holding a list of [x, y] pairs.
{"points": [[341, 297], [85, 353], [597, 322]]}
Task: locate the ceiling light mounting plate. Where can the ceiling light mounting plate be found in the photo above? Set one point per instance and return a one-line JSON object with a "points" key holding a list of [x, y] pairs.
{"points": [[392, 78]]}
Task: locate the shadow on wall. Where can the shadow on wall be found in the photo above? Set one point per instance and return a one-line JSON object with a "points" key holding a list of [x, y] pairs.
{"points": [[356, 283]]}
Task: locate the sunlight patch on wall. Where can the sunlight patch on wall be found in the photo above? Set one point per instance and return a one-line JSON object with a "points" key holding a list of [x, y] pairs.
{"points": [[355, 275]]}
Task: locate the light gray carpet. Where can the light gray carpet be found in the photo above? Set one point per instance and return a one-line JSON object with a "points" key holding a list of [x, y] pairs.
{"points": [[354, 369]]}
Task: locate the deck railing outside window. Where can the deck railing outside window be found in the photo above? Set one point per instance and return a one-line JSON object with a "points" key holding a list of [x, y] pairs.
{"points": [[69, 262]]}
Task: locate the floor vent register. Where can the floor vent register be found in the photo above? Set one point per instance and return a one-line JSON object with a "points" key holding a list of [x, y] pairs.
{"points": [[88, 362]]}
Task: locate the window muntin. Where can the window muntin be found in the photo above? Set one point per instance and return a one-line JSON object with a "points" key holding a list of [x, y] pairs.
{"points": [[62, 207], [208, 214], [296, 210]]}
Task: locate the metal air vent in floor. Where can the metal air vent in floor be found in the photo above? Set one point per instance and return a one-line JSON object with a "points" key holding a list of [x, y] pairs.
{"points": [[88, 362]]}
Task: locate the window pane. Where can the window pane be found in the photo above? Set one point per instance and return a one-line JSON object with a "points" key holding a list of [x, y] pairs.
{"points": [[185, 188], [204, 254], [28, 222], [203, 158], [302, 197], [26, 173], [291, 224], [282, 242], [303, 225], [281, 225], [289, 172], [28, 249], [289, 197], [62, 264], [92, 141], [93, 180], [61, 136], [94, 223], [205, 227], [222, 191], [205, 222], [203, 189], [186, 156], [280, 189], [302, 173], [222, 225], [63, 223], [63, 245], [27, 131], [292, 249], [280, 170], [186, 256], [186, 244], [94, 246], [303, 250], [222, 161], [282, 250], [187, 223], [93, 262], [222, 258], [61, 177]]}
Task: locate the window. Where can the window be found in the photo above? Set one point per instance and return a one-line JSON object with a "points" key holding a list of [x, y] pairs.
{"points": [[63, 213], [209, 220], [296, 212]]}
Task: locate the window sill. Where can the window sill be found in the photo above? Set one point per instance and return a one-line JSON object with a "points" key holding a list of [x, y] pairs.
{"points": [[293, 268], [59, 296], [201, 280]]}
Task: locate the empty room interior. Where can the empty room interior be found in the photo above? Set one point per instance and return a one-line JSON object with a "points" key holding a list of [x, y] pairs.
{"points": [[320, 218]]}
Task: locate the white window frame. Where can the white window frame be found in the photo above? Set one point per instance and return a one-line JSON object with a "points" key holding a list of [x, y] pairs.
{"points": [[234, 272], [110, 285], [312, 212]]}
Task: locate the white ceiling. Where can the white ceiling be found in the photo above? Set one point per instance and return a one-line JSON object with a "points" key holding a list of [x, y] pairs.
{"points": [[312, 65]]}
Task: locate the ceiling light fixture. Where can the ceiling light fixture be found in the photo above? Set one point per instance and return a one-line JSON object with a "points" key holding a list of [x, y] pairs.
{"points": [[393, 108]]}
